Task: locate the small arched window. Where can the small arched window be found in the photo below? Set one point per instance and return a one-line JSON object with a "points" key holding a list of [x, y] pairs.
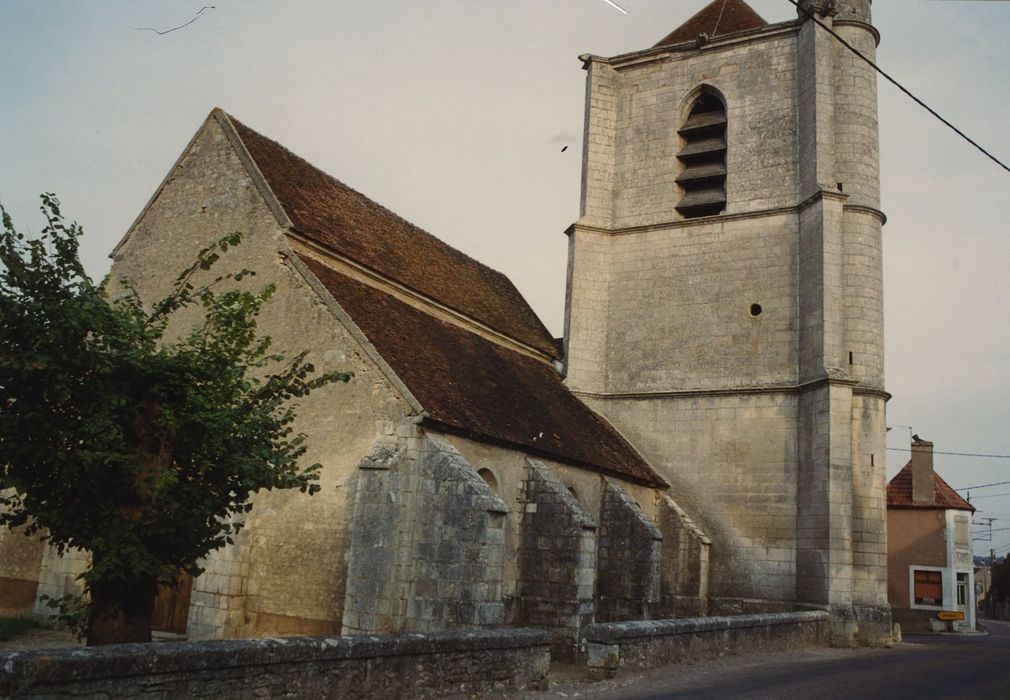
{"points": [[703, 153], [490, 479]]}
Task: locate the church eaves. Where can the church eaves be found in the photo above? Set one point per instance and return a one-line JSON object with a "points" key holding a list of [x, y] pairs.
{"points": [[715, 19], [467, 384], [338, 218]]}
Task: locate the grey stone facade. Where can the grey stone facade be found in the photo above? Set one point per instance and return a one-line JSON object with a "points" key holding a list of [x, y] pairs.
{"points": [[408, 666], [742, 353], [557, 561], [683, 563], [629, 646], [427, 546], [629, 555]]}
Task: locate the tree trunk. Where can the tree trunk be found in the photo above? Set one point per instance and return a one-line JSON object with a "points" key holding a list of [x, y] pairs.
{"points": [[121, 611]]}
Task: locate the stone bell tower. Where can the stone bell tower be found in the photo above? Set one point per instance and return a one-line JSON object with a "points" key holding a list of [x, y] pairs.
{"points": [[724, 305]]}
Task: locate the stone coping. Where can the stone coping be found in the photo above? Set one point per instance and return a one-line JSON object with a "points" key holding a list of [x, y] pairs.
{"points": [[617, 632], [120, 660]]}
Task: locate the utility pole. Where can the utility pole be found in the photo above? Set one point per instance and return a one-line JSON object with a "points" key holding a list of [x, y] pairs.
{"points": [[992, 564], [992, 552]]}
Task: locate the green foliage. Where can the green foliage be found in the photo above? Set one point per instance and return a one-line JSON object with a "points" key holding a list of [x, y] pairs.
{"points": [[73, 611], [140, 448], [999, 590]]}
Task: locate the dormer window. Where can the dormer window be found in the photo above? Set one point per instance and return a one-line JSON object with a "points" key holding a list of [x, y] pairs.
{"points": [[703, 154]]}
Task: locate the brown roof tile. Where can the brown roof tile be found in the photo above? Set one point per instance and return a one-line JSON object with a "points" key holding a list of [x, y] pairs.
{"points": [[716, 19], [470, 384], [899, 493], [332, 214]]}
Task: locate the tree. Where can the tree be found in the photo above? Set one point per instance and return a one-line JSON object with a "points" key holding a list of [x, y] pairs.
{"points": [[141, 449], [999, 588]]}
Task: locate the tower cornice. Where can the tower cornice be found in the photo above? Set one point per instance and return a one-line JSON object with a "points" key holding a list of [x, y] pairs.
{"points": [[862, 25], [720, 218], [685, 49]]}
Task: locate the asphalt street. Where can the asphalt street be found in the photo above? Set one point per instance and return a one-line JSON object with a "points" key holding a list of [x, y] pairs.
{"points": [[921, 667]]}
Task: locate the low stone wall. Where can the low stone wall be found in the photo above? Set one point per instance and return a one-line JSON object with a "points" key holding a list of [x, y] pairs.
{"points": [[405, 666], [649, 643]]}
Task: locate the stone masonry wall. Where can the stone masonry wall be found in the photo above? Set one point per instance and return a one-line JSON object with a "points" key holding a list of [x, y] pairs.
{"points": [[510, 472], [20, 561], [678, 306], [683, 564], [628, 559], [731, 462], [219, 596], [58, 576], [409, 666], [744, 352], [557, 561], [757, 81], [617, 646], [286, 576], [428, 541]]}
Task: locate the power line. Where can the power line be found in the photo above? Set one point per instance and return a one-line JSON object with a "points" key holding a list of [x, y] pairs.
{"points": [[983, 486], [898, 85], [991, 495], [955, 454]]}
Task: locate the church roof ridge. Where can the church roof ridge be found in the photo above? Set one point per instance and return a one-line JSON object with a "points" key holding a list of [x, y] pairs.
{"points": [[718, 18], [346, 221]]}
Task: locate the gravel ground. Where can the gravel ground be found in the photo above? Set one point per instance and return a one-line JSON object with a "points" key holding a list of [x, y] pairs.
{"points": [[40, 638]]}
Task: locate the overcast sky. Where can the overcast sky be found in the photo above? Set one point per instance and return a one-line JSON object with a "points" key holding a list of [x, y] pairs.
{"points": [[453, 114]]}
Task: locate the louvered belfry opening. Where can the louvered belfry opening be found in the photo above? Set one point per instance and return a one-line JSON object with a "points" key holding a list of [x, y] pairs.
{"points": [[704, 157]]}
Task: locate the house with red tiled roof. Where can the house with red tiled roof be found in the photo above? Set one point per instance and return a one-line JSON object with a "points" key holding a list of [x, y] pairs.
{"points": [[930, 583]]}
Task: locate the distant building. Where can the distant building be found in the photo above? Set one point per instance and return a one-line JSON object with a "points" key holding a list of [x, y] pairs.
{"points": [[929, 560]]}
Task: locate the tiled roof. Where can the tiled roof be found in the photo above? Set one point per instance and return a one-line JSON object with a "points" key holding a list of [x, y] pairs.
{"points": [[899, 493], [715, 19], [332, 214], [473, 385]]}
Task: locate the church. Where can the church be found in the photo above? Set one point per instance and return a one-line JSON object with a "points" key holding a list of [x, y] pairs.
{"points": [[706, 439]]}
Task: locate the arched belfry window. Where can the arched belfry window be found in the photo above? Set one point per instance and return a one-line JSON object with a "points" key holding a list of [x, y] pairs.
{"points": [[703, 154]]}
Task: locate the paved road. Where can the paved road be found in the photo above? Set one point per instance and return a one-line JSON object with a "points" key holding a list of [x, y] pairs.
{"points": [[922, 667]]}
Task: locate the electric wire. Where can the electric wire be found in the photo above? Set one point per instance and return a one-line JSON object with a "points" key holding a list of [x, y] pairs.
{"points": [[898, 85], [956, 454], [983, 486]]}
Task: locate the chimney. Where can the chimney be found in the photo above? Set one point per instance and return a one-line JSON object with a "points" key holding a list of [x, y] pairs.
{"points": [[922, 471]]}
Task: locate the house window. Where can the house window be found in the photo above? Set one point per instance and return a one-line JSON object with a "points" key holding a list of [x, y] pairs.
{"points": [[962, 590], [703, 154], [962, 536], [928, 587]]}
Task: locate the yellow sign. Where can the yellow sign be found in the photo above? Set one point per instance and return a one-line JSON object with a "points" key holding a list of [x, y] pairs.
{"points": [[949, 615]]}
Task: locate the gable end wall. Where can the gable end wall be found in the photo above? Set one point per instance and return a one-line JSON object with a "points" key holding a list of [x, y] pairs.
{"points": [[274, 580]]}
